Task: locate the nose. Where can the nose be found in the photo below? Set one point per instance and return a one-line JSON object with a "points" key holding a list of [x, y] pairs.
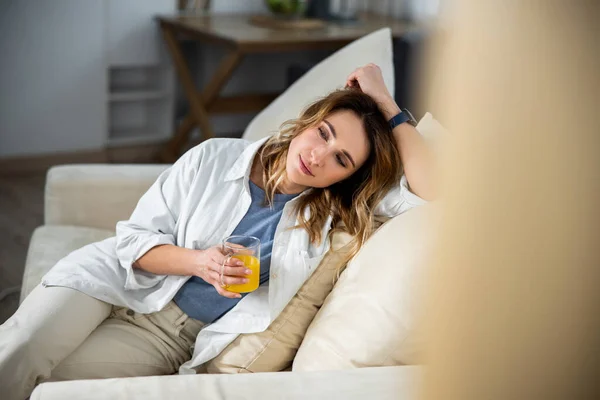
{"points": [[318, 155]]}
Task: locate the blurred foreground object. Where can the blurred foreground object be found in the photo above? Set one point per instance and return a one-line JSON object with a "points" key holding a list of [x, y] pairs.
{"points": [[513, 293]]}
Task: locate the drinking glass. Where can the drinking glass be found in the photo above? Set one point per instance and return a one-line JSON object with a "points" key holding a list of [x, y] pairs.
{"points": [[246, 249]]}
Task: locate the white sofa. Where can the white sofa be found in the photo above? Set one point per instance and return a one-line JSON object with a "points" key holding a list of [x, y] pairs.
{"points": [[82, 205]]}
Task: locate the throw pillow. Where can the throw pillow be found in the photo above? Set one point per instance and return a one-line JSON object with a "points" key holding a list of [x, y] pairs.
{"points": [[274, 349], [369, 319]]}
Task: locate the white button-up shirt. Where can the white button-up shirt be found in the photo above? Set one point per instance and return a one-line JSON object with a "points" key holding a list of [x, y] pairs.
{"points": [[195, 204]]}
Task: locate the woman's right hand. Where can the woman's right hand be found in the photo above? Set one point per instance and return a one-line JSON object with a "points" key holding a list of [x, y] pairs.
{"points": [[208, 267]]}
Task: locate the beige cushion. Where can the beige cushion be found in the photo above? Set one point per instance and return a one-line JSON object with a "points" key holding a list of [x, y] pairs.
{"points": [[275, 348], [369, 317], [50, 243], [323, 78]]}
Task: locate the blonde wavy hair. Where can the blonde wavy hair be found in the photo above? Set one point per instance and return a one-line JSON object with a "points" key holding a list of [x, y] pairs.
{"points": [[351, 201]]}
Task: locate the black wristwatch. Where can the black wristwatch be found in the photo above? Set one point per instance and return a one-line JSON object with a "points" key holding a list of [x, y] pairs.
{"points": [[402, 117]]}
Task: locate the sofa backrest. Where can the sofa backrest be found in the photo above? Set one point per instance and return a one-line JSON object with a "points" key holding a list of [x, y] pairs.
{"points": [[323, 78]]}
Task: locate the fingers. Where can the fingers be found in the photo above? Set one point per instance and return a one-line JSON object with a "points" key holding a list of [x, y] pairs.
{"points": [[352, 79], [229, 261], [214, 279], [231, 275], [233, 280], [237, 271], [225, 293], [352, 84], [228, 270], [355, 76], [234, 272]]}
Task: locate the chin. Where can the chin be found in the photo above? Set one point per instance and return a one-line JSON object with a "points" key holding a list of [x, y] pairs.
{"points": [[295, 178]]}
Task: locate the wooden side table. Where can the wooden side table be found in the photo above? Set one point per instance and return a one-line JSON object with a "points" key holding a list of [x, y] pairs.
{"points": [[241, 38]]}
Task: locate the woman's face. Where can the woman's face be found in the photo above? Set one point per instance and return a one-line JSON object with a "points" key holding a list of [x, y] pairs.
{"points": [[327, 153]]}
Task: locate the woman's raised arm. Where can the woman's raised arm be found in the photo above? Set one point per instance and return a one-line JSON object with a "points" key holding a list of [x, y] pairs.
{"points": [[416, 155]]}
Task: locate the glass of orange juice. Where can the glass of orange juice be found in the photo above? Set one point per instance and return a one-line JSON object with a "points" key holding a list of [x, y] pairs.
{"points": [[246, 249]]}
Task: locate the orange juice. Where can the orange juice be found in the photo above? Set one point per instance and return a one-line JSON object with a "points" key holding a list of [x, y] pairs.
{"points": [[253, 264]]}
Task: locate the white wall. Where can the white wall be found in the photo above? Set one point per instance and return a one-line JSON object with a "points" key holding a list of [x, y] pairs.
{"points": [[53, 77], [414, 9], [48, 58]]}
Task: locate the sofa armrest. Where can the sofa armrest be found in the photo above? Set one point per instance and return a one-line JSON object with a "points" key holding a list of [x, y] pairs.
{"points": [[382, 383], [96, 195]]}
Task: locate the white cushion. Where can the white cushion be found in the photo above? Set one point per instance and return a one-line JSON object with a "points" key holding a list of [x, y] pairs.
{"points": [[369, 319], [323, 78], [50, 243]]}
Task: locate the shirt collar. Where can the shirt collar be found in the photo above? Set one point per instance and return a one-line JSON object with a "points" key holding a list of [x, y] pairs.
{"points": [[241, 167]]}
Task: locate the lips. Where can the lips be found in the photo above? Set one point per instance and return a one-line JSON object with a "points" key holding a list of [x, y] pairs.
{"points": [[304, 168]]}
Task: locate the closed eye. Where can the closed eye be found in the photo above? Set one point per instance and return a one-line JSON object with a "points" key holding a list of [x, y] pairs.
{"points": [[325, 136]]}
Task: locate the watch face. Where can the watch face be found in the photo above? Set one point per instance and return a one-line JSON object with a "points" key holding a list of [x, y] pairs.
{"points": [[411, 119]]}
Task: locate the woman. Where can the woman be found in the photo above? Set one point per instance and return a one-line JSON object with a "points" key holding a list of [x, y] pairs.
{"points": [[333, 168]]}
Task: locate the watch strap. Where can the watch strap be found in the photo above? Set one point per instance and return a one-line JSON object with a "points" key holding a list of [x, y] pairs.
{"points": [[402, 117]]}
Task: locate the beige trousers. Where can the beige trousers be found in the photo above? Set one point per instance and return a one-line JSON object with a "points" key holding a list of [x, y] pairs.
{"points": [[62, 334]]}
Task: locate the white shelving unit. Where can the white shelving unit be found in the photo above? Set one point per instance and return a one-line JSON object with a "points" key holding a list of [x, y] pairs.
{"points": [[140, 78], [141, 105], [136, 95]]}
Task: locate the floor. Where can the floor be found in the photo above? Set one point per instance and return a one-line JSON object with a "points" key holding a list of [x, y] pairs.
{"points": [[21, 211]]}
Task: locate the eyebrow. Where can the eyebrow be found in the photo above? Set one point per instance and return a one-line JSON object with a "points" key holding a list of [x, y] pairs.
{"points": [[332, 129]]}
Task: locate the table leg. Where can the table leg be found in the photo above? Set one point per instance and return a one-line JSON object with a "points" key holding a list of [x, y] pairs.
{"points": [[199, 102], [170, 152], [198, 114], [221, 76]]}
